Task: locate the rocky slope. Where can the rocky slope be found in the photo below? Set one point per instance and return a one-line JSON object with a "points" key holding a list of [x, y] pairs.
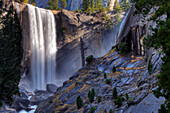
{"points": [[131, 77]]}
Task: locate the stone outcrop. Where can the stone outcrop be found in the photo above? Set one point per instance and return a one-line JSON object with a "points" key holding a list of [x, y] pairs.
{"points": [[131, 77]]}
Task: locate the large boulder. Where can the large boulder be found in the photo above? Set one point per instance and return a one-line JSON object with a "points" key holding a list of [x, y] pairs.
{"points": [[51, 88]]}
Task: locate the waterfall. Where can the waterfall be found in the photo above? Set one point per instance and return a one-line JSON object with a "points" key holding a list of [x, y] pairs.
{"points": [[122, 23], [43, 47]]}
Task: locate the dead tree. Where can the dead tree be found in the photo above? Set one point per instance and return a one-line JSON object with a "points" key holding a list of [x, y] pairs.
{"points": [[82, 49]]}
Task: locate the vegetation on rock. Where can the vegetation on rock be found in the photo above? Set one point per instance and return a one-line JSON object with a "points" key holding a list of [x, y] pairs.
{"points": [[114, 69], [92, 110], [89, 59], [99, 99], [108, 81], [125, 5], [114, 93], [123, 48], [150, 66], [160, 38], [91, 95], [79, 102]]}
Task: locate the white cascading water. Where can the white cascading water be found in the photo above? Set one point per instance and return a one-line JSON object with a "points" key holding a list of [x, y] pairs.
{"points": [[122, 23], [43, 47]]}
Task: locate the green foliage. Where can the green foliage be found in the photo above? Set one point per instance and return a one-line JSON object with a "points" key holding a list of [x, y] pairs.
{"points": [[91, 95], [150, 66], [92, 110], [89, 59], [114, 69], [10, 56], [160, 38], [105, 111], [117, 19], [63, 4], [105, 76], [79, 102], [90, 6], [111, 111], [127, 96], [77, 11], [114, 93], [25, 1], [99, 99], [125, 5], [86, 4], [123, 48], [108, 81], [117, 7], [118, 101]]}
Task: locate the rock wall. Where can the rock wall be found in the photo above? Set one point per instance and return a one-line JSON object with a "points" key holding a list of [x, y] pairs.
{"points": [[70, 27]]}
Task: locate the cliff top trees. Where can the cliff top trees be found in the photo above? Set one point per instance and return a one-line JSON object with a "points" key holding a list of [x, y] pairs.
{"points": [[125, 5], [63, 4], [160, 38], [10, 56], [53, 5]]}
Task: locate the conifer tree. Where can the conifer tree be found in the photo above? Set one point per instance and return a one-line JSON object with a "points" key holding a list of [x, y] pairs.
{"points": [[86, 4], [55, 5], [10, 56], [63, 4], [92, 4], [50, 5], [99, 4]]}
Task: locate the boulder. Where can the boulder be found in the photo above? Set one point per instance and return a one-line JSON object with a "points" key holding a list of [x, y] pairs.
{"points": [[36, 100], [51, 88], [21, 103]]}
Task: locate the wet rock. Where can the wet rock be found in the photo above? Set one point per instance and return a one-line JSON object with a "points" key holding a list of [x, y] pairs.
{"points": [[36, 100], [21, 103], [51, 88]]}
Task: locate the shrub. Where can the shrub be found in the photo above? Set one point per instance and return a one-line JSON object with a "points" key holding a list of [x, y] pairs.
{"points": [[79, 102], [105, 76], [89, 59], [99, 99], [105, 111], [111, 111], [123, 48], [150, 66], [127, 96], [91, 96], [114, 93], [92, 110], [114, 69], [108, 81], [118, 101], [93, 91], [77, 11]]}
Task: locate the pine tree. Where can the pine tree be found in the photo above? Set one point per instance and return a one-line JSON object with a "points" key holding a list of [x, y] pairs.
{"points": [[55, 5], [79, 102], [99, 4], [114, 93], [92, 4], [86, 5], [10, 56], [63, 4], [50, 5]]}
